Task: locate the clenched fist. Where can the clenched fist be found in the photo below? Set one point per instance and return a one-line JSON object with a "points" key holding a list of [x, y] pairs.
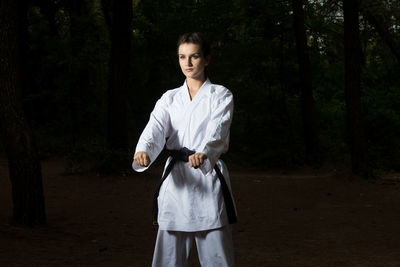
{"points": [[142, 159], [196, 160]]}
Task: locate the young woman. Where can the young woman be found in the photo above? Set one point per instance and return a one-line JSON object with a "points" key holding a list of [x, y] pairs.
{"points": [[193, 201]]}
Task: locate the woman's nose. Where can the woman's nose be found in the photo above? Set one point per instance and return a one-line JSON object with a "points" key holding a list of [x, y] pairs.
{"points": [[189, 62]]}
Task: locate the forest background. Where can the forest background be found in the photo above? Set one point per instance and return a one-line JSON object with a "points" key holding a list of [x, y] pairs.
{"points": [[254, 55], [93, 70]]}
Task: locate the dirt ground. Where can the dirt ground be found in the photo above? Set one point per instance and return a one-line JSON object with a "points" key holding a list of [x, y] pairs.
{"points": [[286, 218]]}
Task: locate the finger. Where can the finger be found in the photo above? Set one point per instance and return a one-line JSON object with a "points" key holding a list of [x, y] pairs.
{"points": [[197, 161], [136, 159], [192, 161], [146, 160], [201, 160], [141, 159]]}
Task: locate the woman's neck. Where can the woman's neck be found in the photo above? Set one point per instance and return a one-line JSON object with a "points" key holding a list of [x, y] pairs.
{"points": [[194, 85]]}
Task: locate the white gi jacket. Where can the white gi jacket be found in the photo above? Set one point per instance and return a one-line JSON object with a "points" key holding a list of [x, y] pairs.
{"points": [[190, 199]]}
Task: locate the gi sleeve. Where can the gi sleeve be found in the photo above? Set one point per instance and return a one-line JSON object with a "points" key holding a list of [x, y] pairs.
{"points": [[217, 141], [152, 139]]}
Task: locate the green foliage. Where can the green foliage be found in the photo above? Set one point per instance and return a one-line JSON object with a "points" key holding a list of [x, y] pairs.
{"points": [[382, 116], [253, 55], [67, 93]]}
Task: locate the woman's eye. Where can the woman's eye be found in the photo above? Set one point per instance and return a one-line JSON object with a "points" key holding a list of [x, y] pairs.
{"points": [[181, 57]]}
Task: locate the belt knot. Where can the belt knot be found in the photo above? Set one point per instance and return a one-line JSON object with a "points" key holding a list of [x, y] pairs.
{"points": [[181, 154]]}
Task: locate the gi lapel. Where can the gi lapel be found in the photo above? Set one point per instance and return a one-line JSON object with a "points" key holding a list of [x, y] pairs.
{"points": [[191, 105]]}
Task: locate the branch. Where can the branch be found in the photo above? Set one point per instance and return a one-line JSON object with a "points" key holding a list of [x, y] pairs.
{"points": [[373, 14]]}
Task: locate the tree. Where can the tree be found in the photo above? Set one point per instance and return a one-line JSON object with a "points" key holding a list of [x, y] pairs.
{"points": [[79, 11], [307, 100], [376, 14], [121, 34], [23, 160], [354, 119]]}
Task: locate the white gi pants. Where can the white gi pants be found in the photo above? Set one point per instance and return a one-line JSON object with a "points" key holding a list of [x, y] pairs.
{"points": [[214, 248]]}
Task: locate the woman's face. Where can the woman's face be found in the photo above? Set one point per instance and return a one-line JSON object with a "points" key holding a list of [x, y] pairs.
{"points": [[192, 61]]}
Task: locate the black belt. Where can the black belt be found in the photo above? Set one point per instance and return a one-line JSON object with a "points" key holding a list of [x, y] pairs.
{"points": [[183, 155]]}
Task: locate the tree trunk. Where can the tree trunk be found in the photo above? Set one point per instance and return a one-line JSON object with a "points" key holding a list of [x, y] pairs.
{"points": [[107, 11], [354, 119], [23, 161], [307, 100], [79, 82], [121, 33]]}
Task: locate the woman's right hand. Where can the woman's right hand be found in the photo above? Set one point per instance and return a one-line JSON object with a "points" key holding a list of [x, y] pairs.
{"points": [[142, 159]]}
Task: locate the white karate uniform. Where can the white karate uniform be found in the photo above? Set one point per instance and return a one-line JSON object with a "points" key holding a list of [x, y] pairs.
{"points": [[190, 200], [214, 248]]}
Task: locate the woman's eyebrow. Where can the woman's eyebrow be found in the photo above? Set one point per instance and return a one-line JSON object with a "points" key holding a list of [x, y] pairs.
{"points": [[197, 53]]}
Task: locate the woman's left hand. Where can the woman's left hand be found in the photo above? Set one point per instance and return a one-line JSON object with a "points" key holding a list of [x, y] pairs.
{"points": [[196, 160]]}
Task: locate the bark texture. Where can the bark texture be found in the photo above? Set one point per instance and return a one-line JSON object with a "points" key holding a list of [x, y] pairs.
{"points": [[121, 34], [354, 119], [23, 162], [307, 100]]}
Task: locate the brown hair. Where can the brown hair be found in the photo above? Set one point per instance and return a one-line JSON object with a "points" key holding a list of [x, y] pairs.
{"points": [[195, 38]]}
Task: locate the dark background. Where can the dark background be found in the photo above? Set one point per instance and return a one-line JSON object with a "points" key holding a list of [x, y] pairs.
{"points": [[316, 86], [254, 55], [315, 83]]}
